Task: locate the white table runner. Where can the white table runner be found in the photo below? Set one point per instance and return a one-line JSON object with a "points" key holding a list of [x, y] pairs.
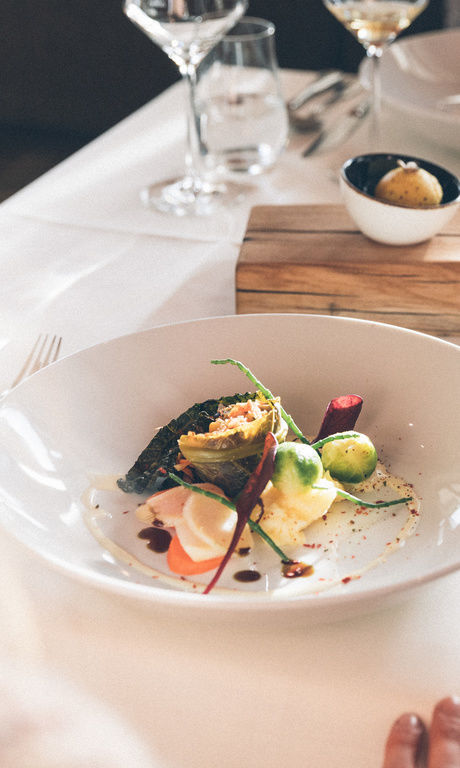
{"points": [[80, 257]]}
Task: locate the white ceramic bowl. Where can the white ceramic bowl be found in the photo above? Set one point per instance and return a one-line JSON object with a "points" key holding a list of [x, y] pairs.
{"points": [[421, 87], [93, 412], [390, 223]]}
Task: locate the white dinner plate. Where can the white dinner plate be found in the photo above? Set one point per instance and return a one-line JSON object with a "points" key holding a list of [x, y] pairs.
{"points": [[420, 77], [89, 416]]}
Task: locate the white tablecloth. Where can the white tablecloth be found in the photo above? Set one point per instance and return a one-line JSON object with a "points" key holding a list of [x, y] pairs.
{"points": [[80, 257]]}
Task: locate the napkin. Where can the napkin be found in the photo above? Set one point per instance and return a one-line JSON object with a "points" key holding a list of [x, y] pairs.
{"points": [[48, 722]]}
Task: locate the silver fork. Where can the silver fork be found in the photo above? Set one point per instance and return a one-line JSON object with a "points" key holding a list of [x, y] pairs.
{"points": [[45, 351]]}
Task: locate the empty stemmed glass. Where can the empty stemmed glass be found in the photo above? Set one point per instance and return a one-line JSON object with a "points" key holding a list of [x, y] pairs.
{"points": [[186, 30], [375, 24]]}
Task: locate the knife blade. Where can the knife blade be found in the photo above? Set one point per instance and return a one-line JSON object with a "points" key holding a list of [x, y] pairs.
{"points": [[312, 120], [329, 138], [324, 82]]}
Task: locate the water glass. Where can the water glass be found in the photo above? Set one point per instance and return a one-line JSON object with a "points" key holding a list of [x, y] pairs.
{"points": [[241, 116]]}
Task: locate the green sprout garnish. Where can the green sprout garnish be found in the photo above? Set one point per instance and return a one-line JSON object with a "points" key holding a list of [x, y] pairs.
{"points": [[288, 419], [372, 505], [337, 436]]}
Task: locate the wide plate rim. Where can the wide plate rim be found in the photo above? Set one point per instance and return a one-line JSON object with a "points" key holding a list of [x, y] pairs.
{"points": [[226, 602]]}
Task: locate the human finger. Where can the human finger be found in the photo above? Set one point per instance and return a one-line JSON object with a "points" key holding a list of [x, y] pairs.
{"points": [[444, 749], [405, 742]]}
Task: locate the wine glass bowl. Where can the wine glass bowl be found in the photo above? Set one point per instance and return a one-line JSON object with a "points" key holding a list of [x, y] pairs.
{"points": [[186, 30], [375, 24]]}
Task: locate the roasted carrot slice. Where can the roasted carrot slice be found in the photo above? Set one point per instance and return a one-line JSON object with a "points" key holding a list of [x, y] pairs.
{"points": [[179, 561]]}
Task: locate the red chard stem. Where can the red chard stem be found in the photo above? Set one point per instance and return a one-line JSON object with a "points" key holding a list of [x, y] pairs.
{"points": [[341, 415], [247, 500]]}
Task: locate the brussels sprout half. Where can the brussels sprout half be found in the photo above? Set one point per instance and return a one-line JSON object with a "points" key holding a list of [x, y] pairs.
{"points": [[297, 467], [350, 460]]}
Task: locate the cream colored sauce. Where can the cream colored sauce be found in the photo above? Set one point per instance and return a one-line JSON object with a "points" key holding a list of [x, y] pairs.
{"points": [[337, 535]]}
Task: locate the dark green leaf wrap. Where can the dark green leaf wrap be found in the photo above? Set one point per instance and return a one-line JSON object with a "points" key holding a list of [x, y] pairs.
{"points": [[150, 471]]}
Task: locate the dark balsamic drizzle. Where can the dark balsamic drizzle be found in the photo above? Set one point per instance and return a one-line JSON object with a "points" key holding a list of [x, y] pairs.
{"points": [[158, 539], [293, 569], [243, 551], [247, 575]]}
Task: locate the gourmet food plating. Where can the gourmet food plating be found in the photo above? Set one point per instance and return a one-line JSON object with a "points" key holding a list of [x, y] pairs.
{"points": [[233, 492]]}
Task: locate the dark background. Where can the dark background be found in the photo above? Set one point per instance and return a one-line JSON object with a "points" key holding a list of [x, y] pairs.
{"points": [[70, 69]]}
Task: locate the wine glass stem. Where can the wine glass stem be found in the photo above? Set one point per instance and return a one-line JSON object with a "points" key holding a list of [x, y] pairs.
{"points": [[192, 155], [374, 53]]}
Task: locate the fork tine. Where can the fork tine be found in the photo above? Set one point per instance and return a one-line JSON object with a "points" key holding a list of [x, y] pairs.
{"points": [[53, 352], [42, 354], [58, 349], [28, 361], [37, 363]]}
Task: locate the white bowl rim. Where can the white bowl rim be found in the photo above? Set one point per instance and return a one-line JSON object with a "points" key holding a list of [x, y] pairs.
{"points": [[178, 599], [414, 109]]}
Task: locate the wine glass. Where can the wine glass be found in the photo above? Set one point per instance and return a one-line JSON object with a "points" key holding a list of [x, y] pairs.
{"points": [[375, 24], [186, 30]]}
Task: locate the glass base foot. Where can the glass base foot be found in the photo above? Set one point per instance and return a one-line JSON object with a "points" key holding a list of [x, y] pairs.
{"points": [[184, 197]]}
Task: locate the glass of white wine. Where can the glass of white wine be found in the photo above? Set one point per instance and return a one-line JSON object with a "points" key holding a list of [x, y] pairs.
{"points": [[375, 24], [186, 30]]}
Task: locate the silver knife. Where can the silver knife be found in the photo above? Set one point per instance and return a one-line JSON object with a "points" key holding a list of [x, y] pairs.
{"points": [[312, 119], [324, 82], [329, 138]]}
